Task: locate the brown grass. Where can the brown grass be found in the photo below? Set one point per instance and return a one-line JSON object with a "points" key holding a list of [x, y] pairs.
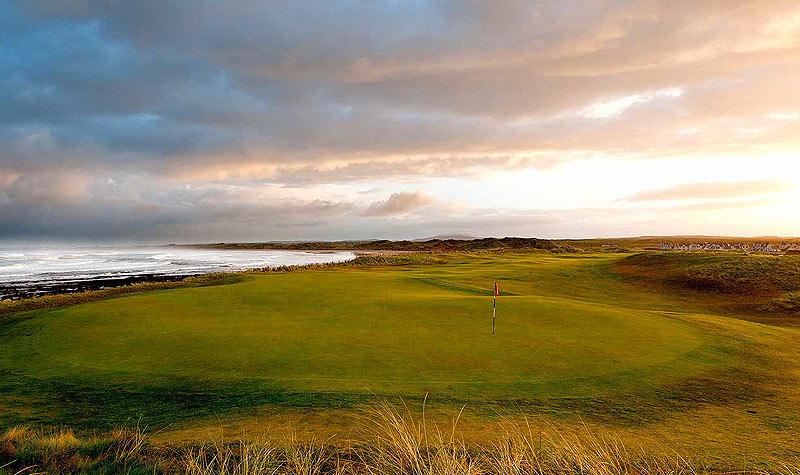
{"points": [[390, 441], [26, 451]]}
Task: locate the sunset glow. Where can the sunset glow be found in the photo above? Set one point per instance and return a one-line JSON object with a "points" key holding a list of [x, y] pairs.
{"points": [[339, 120]]}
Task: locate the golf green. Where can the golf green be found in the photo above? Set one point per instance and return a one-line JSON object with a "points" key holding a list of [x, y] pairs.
{"points": [[403, 331]]}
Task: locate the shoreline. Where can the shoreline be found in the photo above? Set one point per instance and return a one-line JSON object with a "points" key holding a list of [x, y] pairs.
{"points": [[41, 281], [14, 291], [160, 282]]}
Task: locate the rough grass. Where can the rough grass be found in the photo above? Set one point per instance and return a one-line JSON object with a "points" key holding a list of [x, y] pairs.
{"points": [[788, 304], [726, 273], [758, 287], [390, 441], [26, 450]]}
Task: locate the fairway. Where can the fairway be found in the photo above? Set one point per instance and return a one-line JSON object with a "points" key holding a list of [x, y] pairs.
{"points": [[336, 338]]}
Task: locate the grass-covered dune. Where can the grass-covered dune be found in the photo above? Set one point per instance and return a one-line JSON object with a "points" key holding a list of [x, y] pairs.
{"points": [[580, 340], [427, 245], [762, 287]]}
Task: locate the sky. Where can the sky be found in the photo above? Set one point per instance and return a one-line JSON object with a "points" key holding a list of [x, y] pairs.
{"points": [[253, 120]]}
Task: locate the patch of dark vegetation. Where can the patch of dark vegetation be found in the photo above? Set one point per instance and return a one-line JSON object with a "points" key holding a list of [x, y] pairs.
{"points": [[731, 387], [75, 403], [8, 307], [724, 388], [377, 260], [788, 304], [18, 291]]}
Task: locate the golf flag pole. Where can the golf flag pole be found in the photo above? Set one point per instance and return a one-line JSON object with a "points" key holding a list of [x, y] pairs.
{"points": [[494, 305]]}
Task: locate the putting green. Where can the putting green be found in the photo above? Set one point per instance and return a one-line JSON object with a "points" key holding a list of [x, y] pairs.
{"points": [[395, 331]]}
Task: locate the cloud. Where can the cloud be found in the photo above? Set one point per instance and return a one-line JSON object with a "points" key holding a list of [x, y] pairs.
{"points": [[322, 78], [399, 203], [787, 116], [347, 169], [129, 207], [606, 108], [721, 204], [713, 190], [319, 97]]}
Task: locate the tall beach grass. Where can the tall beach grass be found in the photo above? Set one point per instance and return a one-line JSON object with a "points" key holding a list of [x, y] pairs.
{"points": [[390, 440]]}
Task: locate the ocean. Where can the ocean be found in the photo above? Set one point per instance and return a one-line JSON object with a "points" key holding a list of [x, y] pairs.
{"points": [[37, 270]]}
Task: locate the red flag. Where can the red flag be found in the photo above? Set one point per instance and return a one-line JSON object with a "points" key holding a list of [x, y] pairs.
{"points": [[496, 290]]}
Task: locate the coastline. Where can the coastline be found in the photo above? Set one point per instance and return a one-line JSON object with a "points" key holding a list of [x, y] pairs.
{"points": [[43, 280], [10, 307], [11, 291]]}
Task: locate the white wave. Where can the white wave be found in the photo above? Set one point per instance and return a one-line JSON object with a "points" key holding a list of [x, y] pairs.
{"points": [[67, 264]]}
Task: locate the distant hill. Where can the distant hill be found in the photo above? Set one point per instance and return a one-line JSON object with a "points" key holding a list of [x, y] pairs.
{"points": [[764, 245], [429, 245], [457, 237]]}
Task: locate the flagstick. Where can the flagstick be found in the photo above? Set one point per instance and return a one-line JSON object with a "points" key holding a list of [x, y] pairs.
{"points": [[494, 313], [494, 305]]}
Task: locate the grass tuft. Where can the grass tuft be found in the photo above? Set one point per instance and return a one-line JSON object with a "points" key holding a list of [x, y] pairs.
{"points": [[241, 458], [391, 441], [402, 444], [260, 457], [27, 450]]}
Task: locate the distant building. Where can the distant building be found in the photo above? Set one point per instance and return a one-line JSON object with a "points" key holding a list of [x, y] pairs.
{"points": [[760, 247]]}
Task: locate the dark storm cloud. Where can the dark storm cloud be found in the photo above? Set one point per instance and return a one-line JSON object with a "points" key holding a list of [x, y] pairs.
{"points": [[289, 77], [70, 205]]}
